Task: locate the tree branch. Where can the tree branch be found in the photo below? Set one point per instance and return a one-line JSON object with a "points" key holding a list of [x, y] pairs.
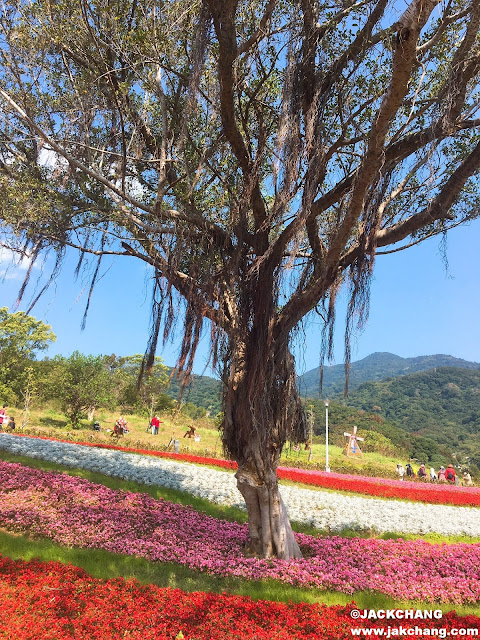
{"points": [[260, 32], [440, 206], [410, 26]]}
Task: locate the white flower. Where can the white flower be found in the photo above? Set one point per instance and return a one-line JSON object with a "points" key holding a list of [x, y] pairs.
{"points": [[321, 509]]}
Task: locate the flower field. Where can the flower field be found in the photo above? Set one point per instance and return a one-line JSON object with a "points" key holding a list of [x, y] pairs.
{"points": [[381, 487], [385, 487], [320, 509], [50, 601], [75, 512]]}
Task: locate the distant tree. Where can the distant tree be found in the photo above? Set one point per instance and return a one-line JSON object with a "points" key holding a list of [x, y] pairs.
{"points": [[424, 449], [21, 337], [192, 411], [257, 155], [379, 443], [28, 395], [81, 384], [144, 393]]}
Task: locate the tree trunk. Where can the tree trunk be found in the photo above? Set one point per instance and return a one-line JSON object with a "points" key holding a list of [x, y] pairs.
{"points": [[270, 533], [91, 413], [262, 410]]}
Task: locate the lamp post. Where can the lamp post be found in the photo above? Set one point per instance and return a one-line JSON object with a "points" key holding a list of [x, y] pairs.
{"points": [[310, 419], [327, 467]]}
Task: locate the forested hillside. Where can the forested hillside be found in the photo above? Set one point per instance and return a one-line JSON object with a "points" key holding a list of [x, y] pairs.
{"points": [[426, 415], [203, 391], [381, 435], [376, 366], [442, 404]]}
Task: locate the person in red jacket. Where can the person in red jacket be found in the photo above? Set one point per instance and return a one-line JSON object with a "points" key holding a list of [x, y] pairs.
{"points": [[450, 474], [155, 423]]}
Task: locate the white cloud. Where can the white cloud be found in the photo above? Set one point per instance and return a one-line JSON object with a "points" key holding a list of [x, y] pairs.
{"points": [[11, 266]]}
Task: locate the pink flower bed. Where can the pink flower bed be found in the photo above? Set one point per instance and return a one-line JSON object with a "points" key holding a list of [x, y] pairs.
{"points": [[75, 512]]}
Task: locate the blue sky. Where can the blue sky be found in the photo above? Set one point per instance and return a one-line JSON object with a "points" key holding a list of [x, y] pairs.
{"points": [[416, 307]]}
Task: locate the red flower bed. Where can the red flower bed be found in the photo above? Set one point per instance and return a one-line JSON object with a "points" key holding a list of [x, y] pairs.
{"points": [[383, 487], [386, 488], [51, 601]]}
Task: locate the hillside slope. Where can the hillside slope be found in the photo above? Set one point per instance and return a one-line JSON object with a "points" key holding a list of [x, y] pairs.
{"points": [[376, 366], [442, 404]]}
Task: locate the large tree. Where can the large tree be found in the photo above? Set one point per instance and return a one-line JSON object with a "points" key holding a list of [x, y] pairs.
{"points": [[21, 336], [257, 154], [81, 384]]}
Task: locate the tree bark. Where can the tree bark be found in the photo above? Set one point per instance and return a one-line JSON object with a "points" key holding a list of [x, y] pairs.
{"points": [[262, 411], [270, 533]]}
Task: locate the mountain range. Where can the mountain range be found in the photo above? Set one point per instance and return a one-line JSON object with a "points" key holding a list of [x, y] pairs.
{"points": [[428, 405], [377, 366], [204, 391]]}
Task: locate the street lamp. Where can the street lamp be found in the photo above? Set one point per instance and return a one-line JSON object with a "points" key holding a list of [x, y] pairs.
{"points": [[327, 467], [310, 420]]}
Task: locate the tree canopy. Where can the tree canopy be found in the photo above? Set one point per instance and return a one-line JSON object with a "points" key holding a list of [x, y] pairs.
{"points": [[82, 383], [256, 154], [21, 336], [146, 394]]}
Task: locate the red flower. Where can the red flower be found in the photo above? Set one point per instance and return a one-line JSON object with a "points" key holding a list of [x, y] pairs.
{"points": [[51, 601]]}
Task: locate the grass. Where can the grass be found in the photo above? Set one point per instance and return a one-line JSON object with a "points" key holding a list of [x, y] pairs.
{"points": [[106, 565], [49, 419], [51, 422]]}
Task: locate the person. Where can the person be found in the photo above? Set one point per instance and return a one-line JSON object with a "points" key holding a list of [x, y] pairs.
{"points": [[433, 475], [400, 471], [467, 479], [450, 474], [11, 423], [117, 430], [3, 412], [421, 473], [120, 427], [441, 474], [155, 423], [410, 471]]}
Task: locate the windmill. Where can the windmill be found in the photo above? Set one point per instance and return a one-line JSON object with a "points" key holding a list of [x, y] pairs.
{"points": [[352, 448]]}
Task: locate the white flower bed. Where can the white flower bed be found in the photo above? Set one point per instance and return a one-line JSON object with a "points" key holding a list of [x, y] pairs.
{"points": [[322, 509]]}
